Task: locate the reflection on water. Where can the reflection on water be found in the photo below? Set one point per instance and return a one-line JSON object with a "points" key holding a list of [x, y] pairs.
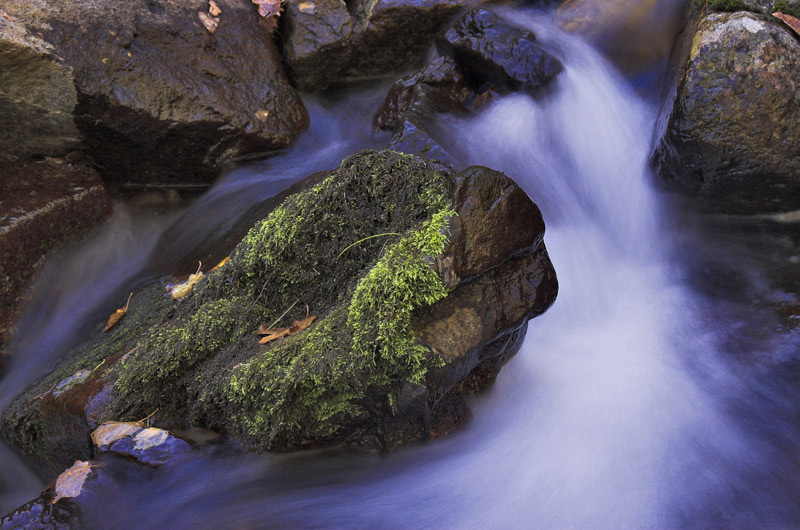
{"points": [[629, 405]]}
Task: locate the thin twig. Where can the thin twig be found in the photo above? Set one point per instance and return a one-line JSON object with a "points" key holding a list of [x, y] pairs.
{"points": [[283, 315], [146, 418], [364, 239]]}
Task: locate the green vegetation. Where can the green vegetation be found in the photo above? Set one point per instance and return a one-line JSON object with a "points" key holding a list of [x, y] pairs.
{"points": [[203, 363], [786, 9], [726, 5]]}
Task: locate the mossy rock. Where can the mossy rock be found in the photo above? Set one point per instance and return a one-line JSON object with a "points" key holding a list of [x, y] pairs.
{"points": [[421, 282]]}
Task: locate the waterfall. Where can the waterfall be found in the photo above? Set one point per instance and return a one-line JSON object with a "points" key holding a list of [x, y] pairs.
{"points": [[620, 410]]}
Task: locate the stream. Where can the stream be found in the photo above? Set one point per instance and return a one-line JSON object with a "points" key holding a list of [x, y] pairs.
{"points": [[659, 391]]}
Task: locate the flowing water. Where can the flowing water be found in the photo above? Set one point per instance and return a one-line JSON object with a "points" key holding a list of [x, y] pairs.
{"points": [[635, 401]]}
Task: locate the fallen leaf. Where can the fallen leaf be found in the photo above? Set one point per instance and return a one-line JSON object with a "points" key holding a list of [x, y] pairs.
{"points": [[111, 431], [184, 288], [279, 333], [148, 438], [268, 8], [70, 483], [262, 114], [220, 264], [180, 290], [118, 314], [209, 22], [307, 8], [213, 8], [790, 21], [7, 17]]}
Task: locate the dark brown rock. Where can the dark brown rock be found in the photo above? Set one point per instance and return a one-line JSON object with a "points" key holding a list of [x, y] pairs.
{"points": [[492, 52], [732, 137], [198, 360], [41, 205], [329, 42], [437, 88], [161, 98], [37, 97]]}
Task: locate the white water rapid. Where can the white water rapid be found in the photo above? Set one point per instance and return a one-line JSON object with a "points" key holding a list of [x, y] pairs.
{"points": [[623, 408]]}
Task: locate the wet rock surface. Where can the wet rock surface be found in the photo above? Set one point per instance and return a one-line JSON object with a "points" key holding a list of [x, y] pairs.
{"points": [[732, 138], [37, 97], [493, 52], [41, 204], [490, 277], [159, 97], [329, 41]]}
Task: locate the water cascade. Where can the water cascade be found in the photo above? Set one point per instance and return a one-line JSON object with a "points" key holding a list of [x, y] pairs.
{"points": [[623, 409]]}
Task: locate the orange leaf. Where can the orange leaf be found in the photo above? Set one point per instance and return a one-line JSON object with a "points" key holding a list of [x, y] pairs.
{"points": [[220, 264], [790, 21], [279, 333], [118, 314]]}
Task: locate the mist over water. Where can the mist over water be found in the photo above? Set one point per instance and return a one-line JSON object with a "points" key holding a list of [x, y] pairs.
{"points": [[623, 409]]}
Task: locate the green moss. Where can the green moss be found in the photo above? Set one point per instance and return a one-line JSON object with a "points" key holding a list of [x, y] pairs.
{"points": [[726, 5], [786, 9], [202, 362], [298, 391]]}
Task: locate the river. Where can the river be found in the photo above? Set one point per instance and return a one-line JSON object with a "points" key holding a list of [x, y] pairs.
{"points": [[660, 390]]}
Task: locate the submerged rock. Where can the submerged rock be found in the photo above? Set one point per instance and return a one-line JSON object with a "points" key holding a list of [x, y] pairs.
{"points": [[421, 283], [155, 95], [732, 137]]}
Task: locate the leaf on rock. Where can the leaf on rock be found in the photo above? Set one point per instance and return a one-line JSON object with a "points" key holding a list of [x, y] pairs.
{"points": [[150, 437], [220, 264], [117, 315], [279, 333], [790, 21], [268, 8], [70, 483], [213, 9], [111, 431], [180, 290], [209, 22]]}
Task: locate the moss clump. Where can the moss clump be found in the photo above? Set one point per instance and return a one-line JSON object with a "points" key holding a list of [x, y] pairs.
{"points": [[786, 9], [301, 389], [202, 362], [726, 5]]}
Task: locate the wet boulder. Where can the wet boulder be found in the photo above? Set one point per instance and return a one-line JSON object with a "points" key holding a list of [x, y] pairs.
{"points": [[494, 53], [360, 311], [37, 97], [330, 42], [41, 204], [438, 87], [731, 136], [157, 95]]}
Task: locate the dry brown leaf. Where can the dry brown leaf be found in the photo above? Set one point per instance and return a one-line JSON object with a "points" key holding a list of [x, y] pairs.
{"points": [[790, 21], [307, 8], [220, 264], [262, 115], [180, 290], [111, 431], [70, 483], [213, 9], [279, 333], [209, 22], [268, 8], [7, 17], [118, 314]]}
